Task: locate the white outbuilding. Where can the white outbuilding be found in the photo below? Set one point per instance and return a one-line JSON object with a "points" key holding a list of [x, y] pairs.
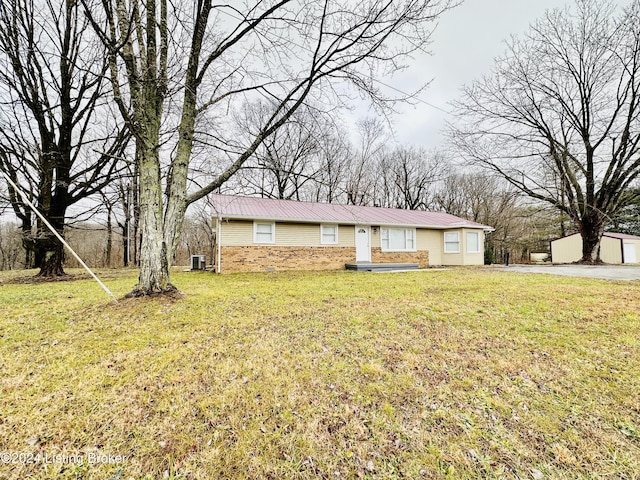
{"points": [[615, 248]]}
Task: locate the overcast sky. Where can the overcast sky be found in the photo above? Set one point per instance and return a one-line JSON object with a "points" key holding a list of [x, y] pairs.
{"points": [[465, 43]]}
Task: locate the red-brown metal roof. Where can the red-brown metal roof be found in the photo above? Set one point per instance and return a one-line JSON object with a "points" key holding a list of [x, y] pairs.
{"points": [[252, 208]]}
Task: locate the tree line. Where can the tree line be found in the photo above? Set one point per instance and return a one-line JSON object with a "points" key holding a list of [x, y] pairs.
{"points": [[324, 165]]}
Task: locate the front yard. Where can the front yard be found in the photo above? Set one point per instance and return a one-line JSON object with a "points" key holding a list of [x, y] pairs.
{"points": [[464, 373]]}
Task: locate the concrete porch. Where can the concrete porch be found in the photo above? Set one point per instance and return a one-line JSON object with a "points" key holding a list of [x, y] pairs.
{"points": [[380, 267]]}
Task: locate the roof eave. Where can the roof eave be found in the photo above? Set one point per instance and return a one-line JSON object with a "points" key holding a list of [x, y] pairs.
{"points": [[357, 222]]}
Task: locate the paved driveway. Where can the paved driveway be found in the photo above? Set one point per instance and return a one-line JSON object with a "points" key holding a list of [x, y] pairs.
{"points": [[609, 272]]}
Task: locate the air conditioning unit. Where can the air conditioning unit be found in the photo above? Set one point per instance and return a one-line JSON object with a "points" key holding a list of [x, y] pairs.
{"points": [[198, 262]]}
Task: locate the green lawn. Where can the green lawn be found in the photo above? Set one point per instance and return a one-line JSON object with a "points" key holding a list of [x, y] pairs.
{"points": [[465, 373]]}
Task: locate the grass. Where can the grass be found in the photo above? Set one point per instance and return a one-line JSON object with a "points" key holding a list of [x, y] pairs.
{"points": [[467, 373]]}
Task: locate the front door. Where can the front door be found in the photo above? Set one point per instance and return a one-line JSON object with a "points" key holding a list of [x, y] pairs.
{"points": [[629, 251], [363, 244]]}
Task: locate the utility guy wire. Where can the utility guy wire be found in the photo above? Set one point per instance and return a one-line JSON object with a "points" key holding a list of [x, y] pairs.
{"points": [[53, 230]]}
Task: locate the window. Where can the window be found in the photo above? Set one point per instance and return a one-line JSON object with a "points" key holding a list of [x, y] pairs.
{"points": [[398, 239], [264, 232], [473, 242], [329, 234], [451, 242]]}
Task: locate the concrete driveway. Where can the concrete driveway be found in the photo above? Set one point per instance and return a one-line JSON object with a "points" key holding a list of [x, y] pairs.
{"points": [[608, 272]]}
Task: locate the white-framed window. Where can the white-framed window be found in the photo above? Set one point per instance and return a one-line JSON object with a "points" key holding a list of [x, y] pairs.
{"points": [[329, 234], [473, 242], [451, 242], [264, 232], [398, 239]]}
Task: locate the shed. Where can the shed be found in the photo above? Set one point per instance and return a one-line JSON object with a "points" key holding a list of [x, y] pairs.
{"points": [[615, 248], [258, 234]]}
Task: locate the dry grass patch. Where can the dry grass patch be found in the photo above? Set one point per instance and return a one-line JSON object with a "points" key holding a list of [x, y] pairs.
{"points": [[463, 374]]}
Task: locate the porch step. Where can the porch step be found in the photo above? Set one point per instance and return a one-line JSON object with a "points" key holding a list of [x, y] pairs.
{"points": [[381, 267]]}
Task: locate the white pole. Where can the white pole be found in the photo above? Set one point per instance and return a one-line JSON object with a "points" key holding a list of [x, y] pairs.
{"points": [[53, 230], [218, 236]]}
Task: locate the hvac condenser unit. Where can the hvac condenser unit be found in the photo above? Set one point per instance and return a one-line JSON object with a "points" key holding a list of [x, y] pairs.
{"points": [[198, 262]]}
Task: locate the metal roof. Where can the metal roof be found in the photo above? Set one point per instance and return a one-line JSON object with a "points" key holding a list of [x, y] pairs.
{"points": [[616, 235], [252, 208], [620, 236]]}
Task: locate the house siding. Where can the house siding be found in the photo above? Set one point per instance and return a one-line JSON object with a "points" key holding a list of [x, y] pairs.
{"points": [[471, 258], [347, 236], [433, 241], [240, 233], [236, 233]]}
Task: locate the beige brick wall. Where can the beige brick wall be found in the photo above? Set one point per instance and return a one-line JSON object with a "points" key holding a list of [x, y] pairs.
{"points": [[420, 257], [240, 233], [260, 258]]}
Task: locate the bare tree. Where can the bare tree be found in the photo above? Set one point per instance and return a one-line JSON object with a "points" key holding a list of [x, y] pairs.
{"points": [[559, 116], [362, 178], [280, 50], [21, 210], [408, 177], [128, 197], [285, 164], [334, 156], [54, 140], [10, 246], [472, 195]]}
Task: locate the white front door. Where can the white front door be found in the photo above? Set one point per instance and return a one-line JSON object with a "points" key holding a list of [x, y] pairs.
{"points": [[363, 244], [629, 251]]}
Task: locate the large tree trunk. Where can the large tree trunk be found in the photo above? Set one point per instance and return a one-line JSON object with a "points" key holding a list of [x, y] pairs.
{"points": [[52, 262], [591, 249], [177, 183], [154, 267], [591, 230], [135, 221], [177, 202], [49, 250]]}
